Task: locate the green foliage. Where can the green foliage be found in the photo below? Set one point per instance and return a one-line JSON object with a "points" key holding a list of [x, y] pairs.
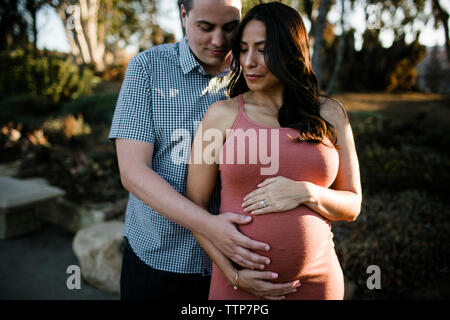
{"points": [[51, 76], [98, 108], [26, 109], [403, 226], [403, 73], [248, 4], [84, 175], [406, 167], [375, 68], [411, 152], [406, 234]]}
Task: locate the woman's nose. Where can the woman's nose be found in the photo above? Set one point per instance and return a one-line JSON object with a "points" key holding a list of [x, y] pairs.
{"points": [[250, 60]]}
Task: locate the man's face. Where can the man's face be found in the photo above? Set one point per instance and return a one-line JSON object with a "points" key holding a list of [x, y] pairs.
{"points": [[209, 26]]}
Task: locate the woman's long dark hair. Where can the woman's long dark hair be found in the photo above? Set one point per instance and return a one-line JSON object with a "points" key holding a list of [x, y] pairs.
{"points": [[287, 57]]}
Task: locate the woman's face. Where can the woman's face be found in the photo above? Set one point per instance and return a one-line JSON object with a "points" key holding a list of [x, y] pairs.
{"points": [[252, 45]]}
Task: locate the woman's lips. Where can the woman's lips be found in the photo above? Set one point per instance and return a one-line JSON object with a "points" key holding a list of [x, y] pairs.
{"points": [[253, 77]]}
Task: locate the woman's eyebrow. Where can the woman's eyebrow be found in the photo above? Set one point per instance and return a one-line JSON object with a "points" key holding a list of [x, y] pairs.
{"points": [[257, 43]]}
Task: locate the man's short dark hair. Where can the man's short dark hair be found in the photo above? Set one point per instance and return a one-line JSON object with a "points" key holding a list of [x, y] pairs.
{"points": [[187, 4]]}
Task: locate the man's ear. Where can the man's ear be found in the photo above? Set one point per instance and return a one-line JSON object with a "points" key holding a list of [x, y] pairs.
{"points": [[183, 15]]}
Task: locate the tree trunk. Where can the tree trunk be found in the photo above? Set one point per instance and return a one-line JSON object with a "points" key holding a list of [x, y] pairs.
{"points": [[88, 22], [340, 55], [319, 28], [85, 34], [97, 48], [73, 46], [33, 13], [76, 25], [443, 17]]}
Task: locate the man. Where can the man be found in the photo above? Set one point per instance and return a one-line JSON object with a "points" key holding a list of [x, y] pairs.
{"points": [[168, 88]]}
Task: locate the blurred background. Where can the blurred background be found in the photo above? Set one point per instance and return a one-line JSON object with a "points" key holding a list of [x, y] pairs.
{"points": [[62, 64]]}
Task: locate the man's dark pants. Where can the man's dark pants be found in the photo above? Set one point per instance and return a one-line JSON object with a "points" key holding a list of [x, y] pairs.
{"points": [[139, 281]]}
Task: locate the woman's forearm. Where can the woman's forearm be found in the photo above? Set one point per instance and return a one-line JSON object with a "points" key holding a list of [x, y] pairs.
{"points": [[335, 205]]}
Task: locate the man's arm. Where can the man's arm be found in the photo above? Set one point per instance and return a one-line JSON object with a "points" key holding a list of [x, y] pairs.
{"points": [[138, 178]]}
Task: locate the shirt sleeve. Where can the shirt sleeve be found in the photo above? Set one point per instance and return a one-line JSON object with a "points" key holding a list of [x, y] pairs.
{"points": [[133, 114]]}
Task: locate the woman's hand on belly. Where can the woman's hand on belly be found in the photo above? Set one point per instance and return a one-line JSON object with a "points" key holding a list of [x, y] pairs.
{"points": [[277, 194], [259, 284]]}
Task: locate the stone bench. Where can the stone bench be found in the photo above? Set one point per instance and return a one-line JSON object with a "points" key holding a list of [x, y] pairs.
{"points": [[19, 201]]}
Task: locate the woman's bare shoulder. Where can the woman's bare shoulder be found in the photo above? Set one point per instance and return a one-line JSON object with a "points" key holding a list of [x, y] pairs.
{"points": [[222, 113], [333, 111]]}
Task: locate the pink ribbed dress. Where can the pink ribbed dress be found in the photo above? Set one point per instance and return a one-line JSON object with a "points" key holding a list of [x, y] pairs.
{"points": [[301, 240]]}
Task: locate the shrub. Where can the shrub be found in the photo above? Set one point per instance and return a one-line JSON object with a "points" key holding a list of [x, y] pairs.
{"points": [[98, 108], [67, 130], [406, 234], [26, 109], [51, 76], [85, 176], [410, 153], [395, 169]]}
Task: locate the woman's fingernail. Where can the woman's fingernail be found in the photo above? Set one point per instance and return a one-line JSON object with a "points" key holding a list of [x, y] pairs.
{"points": [[259, 185], [274, 275]]}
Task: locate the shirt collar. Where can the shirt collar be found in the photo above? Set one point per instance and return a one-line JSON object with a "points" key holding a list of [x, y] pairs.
{"points": [[188, 62], [187, 59]]}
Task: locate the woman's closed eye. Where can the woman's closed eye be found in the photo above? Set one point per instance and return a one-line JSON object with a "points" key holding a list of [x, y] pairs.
{"points": [[259, 50]]}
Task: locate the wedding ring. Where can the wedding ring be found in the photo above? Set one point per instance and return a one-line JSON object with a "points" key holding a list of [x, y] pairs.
{"points": [[263, 203]]}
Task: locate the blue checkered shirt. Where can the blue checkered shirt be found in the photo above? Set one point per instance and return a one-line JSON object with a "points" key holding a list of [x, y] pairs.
{"points": [[163, 97]]}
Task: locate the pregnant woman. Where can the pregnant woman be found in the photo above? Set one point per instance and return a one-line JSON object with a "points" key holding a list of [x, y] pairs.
{"points": [[286, 156]]}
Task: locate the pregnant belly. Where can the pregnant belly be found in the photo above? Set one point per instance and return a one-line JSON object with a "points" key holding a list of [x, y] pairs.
{"points": [[300, 240]]}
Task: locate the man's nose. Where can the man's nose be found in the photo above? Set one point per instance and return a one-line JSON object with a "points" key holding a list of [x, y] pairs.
{"points": [[218, 38]]}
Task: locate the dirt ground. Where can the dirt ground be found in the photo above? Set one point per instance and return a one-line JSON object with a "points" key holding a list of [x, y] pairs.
{"points": [[398, 104]]}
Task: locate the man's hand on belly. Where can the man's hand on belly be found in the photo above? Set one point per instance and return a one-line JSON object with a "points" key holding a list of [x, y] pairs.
{"points": [[224, 234]]}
